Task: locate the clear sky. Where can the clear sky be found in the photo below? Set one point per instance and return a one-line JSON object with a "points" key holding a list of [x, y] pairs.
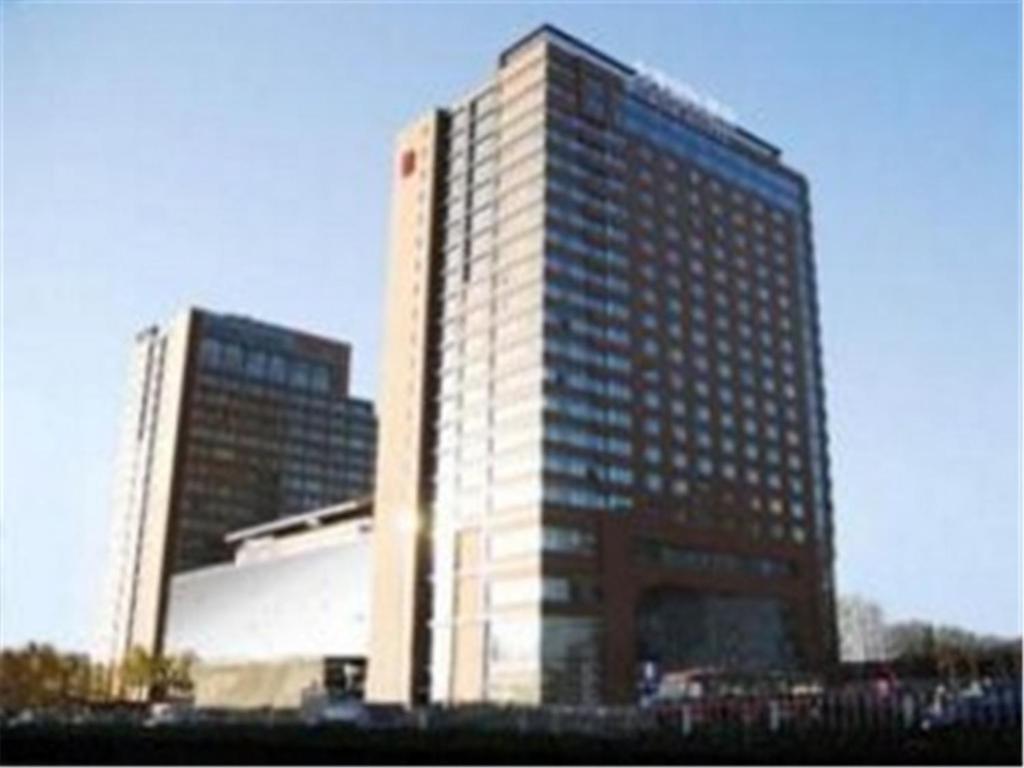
{"points": [[238, 157]]}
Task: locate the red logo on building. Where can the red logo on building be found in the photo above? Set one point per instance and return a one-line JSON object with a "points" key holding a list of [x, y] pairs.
{"points": [[408, 162]]}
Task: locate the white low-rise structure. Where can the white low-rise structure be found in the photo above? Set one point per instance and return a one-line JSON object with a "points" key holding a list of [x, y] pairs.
{"points": [[291, 608]]}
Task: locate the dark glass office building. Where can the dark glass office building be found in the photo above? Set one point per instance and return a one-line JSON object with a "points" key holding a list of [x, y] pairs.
{"points": [[271, 432]]}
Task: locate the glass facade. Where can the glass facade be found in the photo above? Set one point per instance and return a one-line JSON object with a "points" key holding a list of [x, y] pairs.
{"points": [[679, 630]]}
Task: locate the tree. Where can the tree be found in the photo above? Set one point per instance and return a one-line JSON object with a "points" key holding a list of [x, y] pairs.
{"points": [[948, 651], [147, 675], [40, 676], [175, 674], [138, 672]]}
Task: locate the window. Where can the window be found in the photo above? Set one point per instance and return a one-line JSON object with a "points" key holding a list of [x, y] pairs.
{"points": [[233, 357], [210, 353], [556, 590], [278, 369], [593, 99], [569, 540], [321, 380], [256, 364], [299, 375]]}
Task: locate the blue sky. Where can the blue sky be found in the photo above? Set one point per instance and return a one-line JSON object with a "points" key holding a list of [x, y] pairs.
{"points": [[238, 157]]}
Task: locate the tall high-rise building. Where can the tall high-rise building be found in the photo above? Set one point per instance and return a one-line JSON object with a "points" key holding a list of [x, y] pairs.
{"points": [[229, 423], [603, 436]]}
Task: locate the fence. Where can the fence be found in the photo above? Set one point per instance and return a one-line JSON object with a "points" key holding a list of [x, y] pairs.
{"points": [[610, 721], [846, 711], [831, 711]]}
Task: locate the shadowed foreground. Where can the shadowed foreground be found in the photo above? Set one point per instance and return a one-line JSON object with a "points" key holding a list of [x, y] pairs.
{"points": [[291, 744]]}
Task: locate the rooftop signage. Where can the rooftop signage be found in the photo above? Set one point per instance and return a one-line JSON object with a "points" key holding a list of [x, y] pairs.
{"points": [[682, 100]]}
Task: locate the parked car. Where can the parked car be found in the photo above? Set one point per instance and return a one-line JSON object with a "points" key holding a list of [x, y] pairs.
{"points": [[976, 705], [319, 706], [23, 718], [348, 710], [168, 713]]}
